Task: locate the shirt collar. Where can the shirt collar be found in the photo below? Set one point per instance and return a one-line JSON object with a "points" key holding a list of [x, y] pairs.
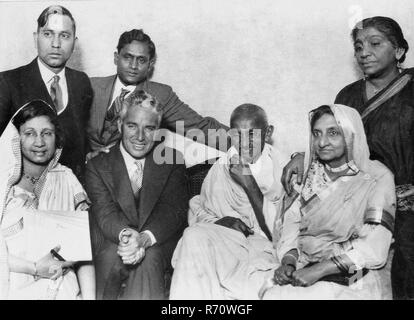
{"points": [[119, 86], [130, 160], [47, 75]]}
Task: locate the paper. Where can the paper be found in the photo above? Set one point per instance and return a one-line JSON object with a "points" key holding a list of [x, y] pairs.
{"points": [[45, 230]]}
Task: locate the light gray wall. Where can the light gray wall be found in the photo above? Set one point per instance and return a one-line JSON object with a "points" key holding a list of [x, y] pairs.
{"points": [[287, 56]]}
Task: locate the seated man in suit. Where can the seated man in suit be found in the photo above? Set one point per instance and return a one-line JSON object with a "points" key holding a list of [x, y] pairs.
{"points": [[231, 219], [135, 59], [138, 204], [48, 78]]}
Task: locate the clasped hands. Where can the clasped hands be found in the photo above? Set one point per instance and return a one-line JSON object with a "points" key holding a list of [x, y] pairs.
{"points": [[132, 246]]}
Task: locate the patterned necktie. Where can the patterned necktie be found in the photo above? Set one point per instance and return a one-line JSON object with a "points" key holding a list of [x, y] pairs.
{"points": [[56, 93], [136, 179], [116, 106]]}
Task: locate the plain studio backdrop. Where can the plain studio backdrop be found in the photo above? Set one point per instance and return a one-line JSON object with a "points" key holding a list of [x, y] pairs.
{"points": [[286, 56]]}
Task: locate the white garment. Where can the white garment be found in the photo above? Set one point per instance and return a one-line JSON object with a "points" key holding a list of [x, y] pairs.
{"points": [[215, 262]]}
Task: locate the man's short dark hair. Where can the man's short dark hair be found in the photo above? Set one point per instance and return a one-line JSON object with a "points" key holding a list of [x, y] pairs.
{"points": [[44, 16], [136, 35]]}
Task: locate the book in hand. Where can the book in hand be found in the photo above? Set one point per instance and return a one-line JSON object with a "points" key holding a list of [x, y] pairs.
{"points": [[45, 230]]}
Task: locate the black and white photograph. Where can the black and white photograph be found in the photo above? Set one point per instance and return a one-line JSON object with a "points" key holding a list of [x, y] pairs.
{"points": [[219, 151]]}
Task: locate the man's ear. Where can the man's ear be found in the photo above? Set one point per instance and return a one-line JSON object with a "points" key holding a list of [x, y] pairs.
{"points": [[35, 35], [116, 57], [151, 64], [119, 122], [269, 133]]}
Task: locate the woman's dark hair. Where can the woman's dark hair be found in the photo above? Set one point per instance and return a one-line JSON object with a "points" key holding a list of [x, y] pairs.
{"points": [[38, 108], [389, 27], [318, 113]]}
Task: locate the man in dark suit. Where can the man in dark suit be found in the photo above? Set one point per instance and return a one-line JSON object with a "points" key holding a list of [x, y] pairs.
{"points": [[139, 204], [135, 59], [48, 78]]}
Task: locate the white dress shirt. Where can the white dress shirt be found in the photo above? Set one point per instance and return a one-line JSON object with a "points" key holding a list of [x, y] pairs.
{"points": [[118, 89], [131, 167], [47, 76]]}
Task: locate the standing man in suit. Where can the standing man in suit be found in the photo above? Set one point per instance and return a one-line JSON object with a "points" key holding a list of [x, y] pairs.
{"points": [[139, 205], [48, 78], [135, 59]]}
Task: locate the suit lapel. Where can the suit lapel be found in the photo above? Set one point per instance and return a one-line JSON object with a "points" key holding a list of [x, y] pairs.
{"points": [[155, 177], [122, 185], [103, 96], [33, 85]]}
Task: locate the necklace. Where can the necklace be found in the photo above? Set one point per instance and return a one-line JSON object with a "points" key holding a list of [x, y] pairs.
{"points": [[337, 169], [33, 180]]}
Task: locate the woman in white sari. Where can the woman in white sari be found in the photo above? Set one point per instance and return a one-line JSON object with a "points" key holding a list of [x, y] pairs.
{"points": [[335, 232], [32, 178]]}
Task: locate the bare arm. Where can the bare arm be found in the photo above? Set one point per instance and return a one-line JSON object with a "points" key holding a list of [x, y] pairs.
{"points": [[86, 277]]}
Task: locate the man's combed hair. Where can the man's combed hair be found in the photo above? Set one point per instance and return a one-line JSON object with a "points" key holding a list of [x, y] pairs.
{"points": [[44, 16], [136, 35], [141, 99]]}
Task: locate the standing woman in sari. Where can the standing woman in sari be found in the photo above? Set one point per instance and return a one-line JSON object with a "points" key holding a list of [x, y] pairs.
{"points": [[32, 178], [385, 100]]}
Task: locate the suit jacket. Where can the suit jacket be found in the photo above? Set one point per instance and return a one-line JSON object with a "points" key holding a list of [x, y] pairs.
{"points": [[19, 86], [174, 110], [162, 207]]}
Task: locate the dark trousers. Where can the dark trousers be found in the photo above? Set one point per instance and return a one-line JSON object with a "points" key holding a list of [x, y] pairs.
{"points": [[147, 280], [402, 270]]}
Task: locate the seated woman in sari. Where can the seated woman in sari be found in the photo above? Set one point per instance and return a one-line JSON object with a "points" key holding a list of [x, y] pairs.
{"points": [[32, 178], [336, 231], [385, 100]]}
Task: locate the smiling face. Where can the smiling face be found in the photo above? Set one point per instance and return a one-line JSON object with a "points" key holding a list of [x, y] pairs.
{"points": [[138, 130], [38, 140], [375, 54], [133, 63], [55, 41], [328, 141]]}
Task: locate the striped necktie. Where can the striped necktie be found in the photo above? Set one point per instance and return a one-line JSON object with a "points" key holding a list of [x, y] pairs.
{"points": [[116, 106], [56, 93], [136, 179]]}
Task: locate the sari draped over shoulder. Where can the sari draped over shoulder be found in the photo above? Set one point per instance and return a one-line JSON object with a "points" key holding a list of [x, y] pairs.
{"points": [[349, 219], [215, 262], [388, 119], [389, 125], [56, 189]]}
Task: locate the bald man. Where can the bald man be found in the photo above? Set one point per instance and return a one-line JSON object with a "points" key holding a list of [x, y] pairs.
{"points": [[230, 221]]}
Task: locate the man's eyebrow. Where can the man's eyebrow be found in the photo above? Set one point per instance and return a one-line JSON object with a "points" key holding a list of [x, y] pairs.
{"points": [[60, 31]]}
